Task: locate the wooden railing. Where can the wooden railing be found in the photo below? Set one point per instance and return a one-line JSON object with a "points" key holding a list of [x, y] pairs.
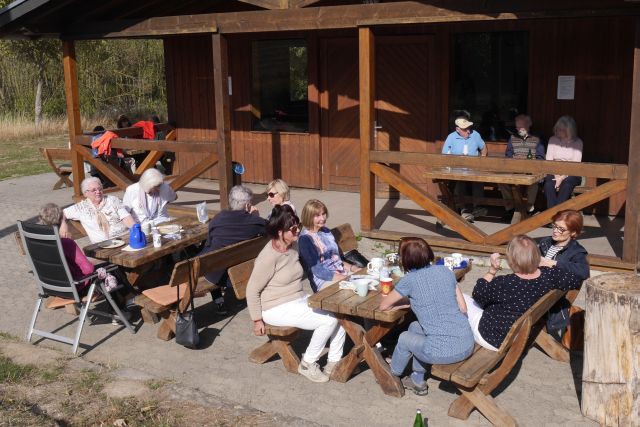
{"points": [[473, 238], [129, 140]]}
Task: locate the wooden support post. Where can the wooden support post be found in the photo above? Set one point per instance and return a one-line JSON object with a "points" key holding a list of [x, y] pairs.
{"points": [[73, 111], [223, 116], [366, 55], [631, 247]]}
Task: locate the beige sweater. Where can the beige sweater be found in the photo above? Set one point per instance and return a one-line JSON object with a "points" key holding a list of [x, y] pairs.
{"points": [[276, 279]]}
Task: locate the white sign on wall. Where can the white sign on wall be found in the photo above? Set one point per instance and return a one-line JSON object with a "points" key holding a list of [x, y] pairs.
{"points": [[566, 87]]}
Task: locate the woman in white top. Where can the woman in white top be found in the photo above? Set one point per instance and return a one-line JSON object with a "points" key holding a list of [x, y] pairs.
{"points": [[147, 199], [564, 146], [102, 216]]}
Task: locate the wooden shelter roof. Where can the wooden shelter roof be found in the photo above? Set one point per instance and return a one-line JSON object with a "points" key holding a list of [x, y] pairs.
{"points": [[95, 19]]}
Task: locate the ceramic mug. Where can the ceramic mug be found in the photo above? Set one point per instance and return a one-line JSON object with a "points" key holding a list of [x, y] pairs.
{"points": [[457, 259], [361, 287], [375, 265]]}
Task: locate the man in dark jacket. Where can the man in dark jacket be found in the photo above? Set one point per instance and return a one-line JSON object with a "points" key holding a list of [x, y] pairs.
{"points": [[241, 222]]}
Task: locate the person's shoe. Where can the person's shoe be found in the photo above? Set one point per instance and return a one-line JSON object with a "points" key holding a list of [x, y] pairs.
{"points": [[221, 307], [118, 322], [468, 216], [479, 211], [312, 372], [508, 216], [328, 368], [420, 390]]}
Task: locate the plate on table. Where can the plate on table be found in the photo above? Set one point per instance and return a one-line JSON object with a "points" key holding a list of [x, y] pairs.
{"points": [[169, 229], [112, 243]]}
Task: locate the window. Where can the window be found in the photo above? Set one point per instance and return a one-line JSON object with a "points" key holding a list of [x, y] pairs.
{"points": [[279, 86], [490, 80]]}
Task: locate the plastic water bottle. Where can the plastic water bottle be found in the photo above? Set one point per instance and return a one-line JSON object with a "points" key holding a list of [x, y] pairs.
{"points": [[384, 272]]}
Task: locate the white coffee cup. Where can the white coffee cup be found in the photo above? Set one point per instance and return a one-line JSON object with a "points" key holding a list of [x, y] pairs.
{"points": [[375, 265], [361, 287], [457, 259]]}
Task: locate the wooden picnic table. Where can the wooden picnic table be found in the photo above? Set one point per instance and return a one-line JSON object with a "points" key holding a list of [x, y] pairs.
{"points": [[443, 174], [136, 262], [348, 307]]}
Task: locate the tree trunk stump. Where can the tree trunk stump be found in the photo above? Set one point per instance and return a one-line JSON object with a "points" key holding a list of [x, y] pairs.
{"points": [[611, 370]]}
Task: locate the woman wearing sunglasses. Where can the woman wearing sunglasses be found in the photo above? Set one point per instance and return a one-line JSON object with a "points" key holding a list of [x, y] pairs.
{"points": [[563, 251], [278, 194], [275, 296]]}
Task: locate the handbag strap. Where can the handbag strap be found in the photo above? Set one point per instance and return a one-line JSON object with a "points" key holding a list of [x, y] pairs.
{"points": [[190, 290]]}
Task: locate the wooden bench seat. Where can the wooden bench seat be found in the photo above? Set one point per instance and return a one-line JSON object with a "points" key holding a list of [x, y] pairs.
{"points": [[198, 267], [281, 337], [64, 170], [478, 375]]}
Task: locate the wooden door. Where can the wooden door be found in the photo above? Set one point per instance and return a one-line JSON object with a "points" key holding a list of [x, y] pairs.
{"points": [[340, 115], [405, 102], [405, 106]]}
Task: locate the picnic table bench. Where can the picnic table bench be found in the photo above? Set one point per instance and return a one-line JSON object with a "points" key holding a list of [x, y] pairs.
{"points": [[162, 301], [63, 170]]}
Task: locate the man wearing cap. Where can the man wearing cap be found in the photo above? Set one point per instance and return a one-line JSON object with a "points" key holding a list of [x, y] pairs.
{"points": [[466, 142]]}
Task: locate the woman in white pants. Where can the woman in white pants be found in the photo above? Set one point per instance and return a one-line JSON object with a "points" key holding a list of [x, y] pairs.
{"points": [[275, 296]]}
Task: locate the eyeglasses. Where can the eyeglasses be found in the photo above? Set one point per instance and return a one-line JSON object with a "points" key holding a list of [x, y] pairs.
{"points": [[560, 229], [271, 194], [93, 190]]}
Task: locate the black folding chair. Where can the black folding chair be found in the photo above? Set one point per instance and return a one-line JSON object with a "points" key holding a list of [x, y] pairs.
{"points": [[51, 271]]}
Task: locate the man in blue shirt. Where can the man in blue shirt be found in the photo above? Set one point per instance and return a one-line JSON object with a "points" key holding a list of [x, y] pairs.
{"points": [[466, 142]]}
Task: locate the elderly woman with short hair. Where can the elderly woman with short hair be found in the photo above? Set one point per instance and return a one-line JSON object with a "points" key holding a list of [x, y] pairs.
{"points": [[498, 301], [148, 198], [102, 216], [240, 222], [79, 264]]}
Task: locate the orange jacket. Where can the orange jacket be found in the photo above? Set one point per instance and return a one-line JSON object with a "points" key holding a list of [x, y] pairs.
{"points": [[147, 129]]}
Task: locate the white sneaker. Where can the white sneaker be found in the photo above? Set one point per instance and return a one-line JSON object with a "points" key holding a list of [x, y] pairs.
{"points": [[328, 368], [312, 372]]}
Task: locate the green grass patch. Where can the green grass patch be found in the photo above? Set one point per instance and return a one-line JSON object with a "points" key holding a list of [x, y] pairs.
{"points": [[8, 336], [21, 156], [11, 372]]}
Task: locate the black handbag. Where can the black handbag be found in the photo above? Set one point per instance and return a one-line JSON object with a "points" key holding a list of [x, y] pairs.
{"points": [[354, 257], [186, 328]]}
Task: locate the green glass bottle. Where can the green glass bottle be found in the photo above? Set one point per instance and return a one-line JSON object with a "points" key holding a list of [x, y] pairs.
{"points": [[418, 422], [529, 155]]}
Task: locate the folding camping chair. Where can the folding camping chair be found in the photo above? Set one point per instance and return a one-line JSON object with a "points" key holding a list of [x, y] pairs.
{"points": [[51, 271]]}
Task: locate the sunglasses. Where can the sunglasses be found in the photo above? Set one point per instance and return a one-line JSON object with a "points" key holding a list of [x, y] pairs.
{"points": [[295, 229], [560, 229], [271, 194]]}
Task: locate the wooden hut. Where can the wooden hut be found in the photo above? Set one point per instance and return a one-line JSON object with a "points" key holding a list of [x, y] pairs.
{"points": [[335, 94]]}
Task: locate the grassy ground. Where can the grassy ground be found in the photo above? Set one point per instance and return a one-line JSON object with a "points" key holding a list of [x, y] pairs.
{"points": [[20, 156]]}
